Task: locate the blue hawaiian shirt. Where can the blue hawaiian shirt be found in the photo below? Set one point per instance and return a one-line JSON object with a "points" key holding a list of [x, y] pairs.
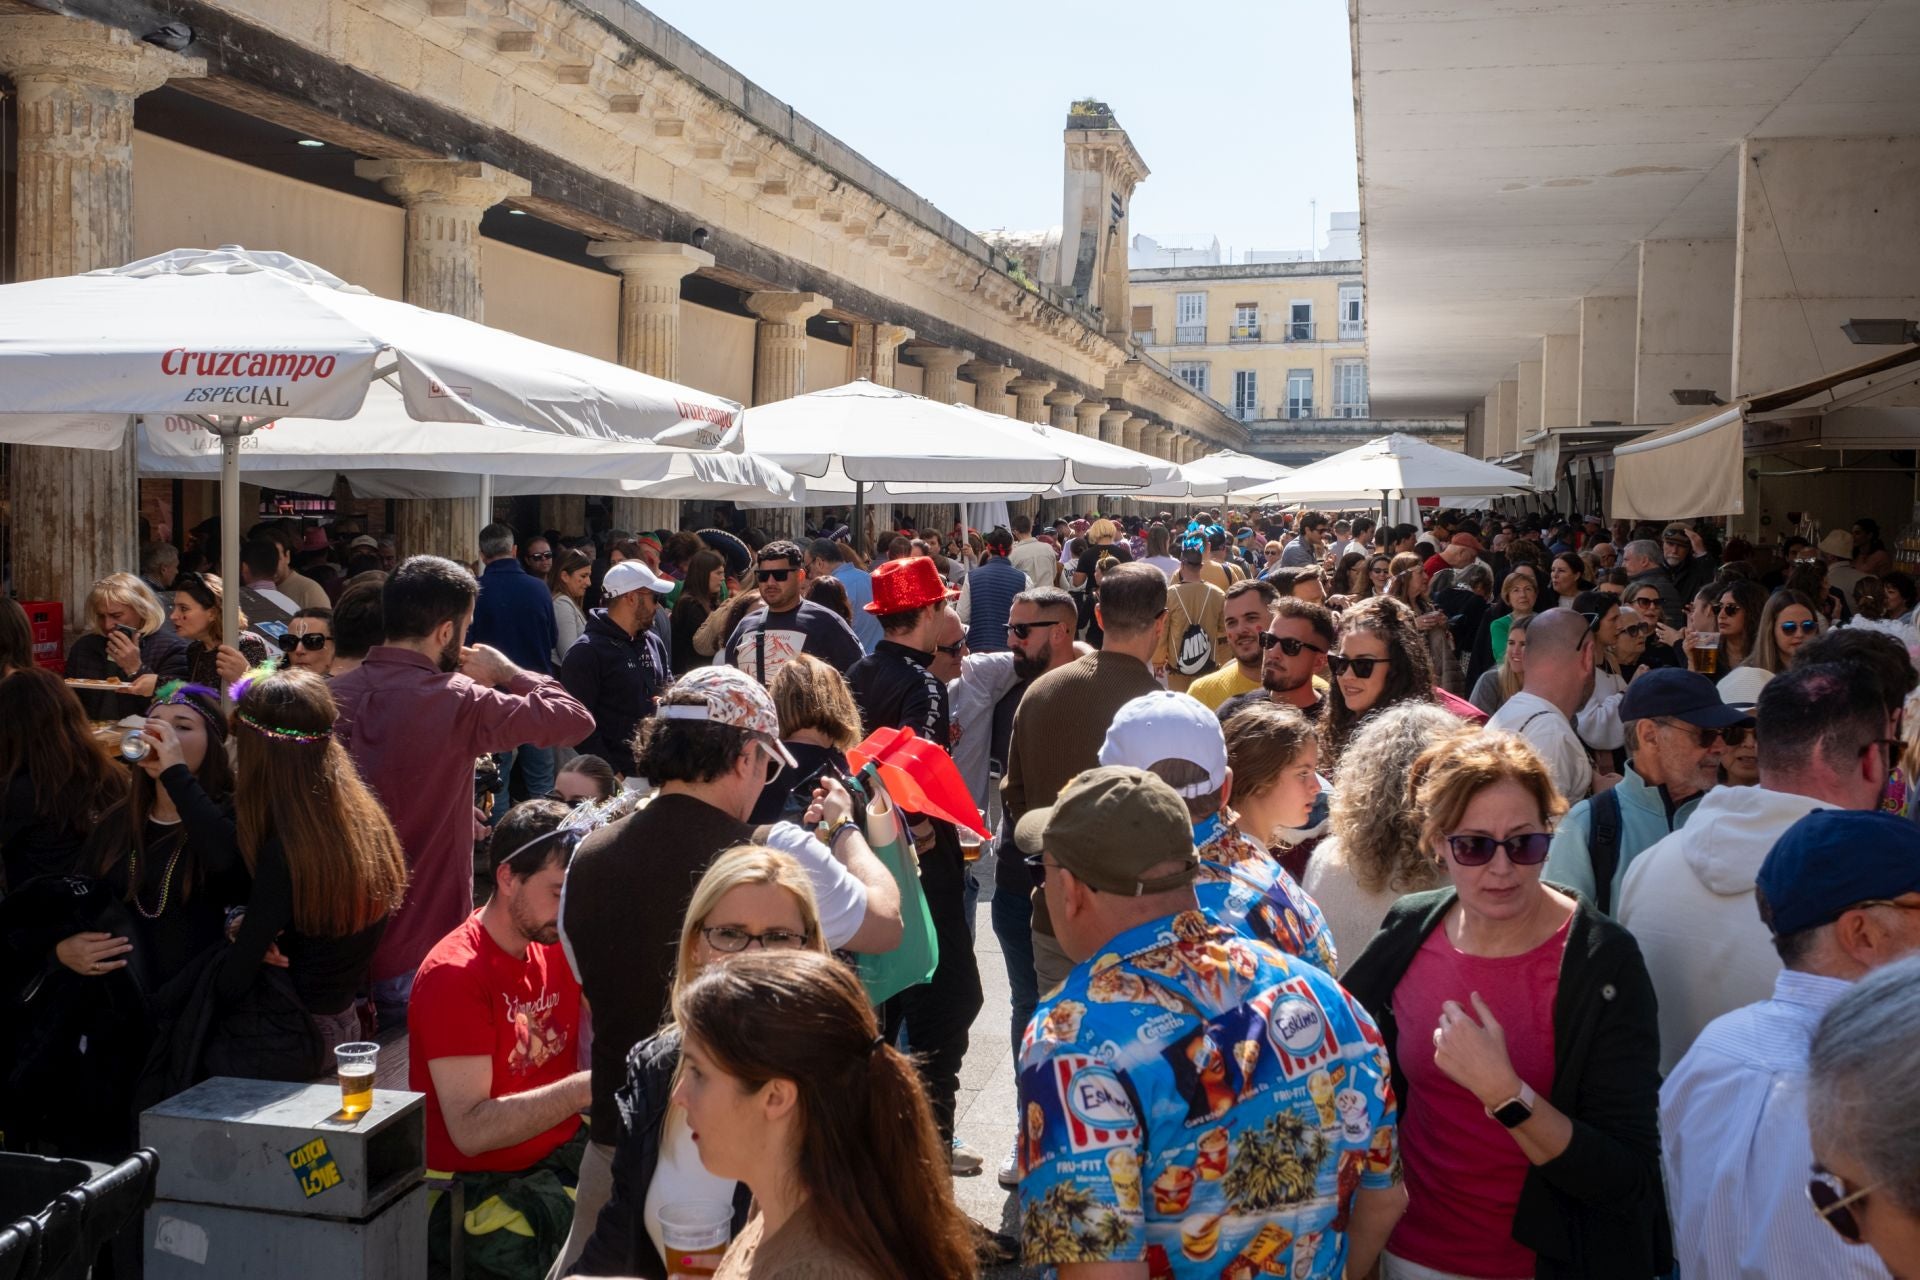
{"points": [[1202, 1101], [1245, 888]]}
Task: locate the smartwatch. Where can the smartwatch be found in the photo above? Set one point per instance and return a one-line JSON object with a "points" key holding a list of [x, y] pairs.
{"points": [[1517, 1110]]}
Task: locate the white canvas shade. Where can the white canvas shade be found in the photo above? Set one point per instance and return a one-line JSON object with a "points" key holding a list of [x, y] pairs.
{"points": [[1388, 466]]}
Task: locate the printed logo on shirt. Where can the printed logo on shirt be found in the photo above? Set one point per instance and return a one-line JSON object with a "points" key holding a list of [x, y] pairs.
{"points": [[778, 648], [1099, 1113], [1298, 1030], [536, 1040]]}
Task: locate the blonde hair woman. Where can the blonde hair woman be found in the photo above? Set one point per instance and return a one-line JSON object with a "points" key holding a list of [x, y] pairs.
{"points": [[124, 642], [751, 899]]}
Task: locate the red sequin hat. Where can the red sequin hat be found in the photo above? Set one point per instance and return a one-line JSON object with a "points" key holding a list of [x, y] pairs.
{"points": [[900, 585]]}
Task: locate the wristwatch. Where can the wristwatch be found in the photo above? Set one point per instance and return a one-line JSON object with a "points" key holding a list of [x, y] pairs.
{"points": [[1517, 1110], [839, 829]]}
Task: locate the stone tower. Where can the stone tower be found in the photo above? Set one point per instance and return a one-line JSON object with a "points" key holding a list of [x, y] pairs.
{"points": [[1102, 171]]}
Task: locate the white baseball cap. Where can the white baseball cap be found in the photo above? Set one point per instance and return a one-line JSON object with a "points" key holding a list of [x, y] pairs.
{"points": [[632, 575], [1164, 726]]}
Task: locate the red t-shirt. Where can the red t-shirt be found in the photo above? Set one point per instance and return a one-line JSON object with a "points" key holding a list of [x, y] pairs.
{"points": [[471, 998], [1463, 1169]]}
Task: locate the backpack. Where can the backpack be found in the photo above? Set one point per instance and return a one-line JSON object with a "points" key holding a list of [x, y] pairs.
{"points": [[1603, 845], [1193, 653]]}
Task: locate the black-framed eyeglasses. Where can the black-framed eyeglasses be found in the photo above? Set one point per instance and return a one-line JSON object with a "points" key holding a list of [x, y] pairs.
{"points": [[1025, 629], [1338, 663], [1529, 850], [312, 642], [731, 939], [1834, 1202], [773, 575], [1289, 646]]}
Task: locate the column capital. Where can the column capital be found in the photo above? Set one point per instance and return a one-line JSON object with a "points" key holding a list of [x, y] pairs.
{"points": [[1087, 417], [1064, 398], [946, 360], [776, 307], [660, 260], [34, 46], [1027, 385], [890, 336], [461, 184], [1114, 416], [994, 377]]}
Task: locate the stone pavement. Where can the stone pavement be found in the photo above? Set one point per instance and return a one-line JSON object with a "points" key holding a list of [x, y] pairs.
{"points": [[985, 1111]]}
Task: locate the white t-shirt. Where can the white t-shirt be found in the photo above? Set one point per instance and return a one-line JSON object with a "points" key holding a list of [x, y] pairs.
{"points": [[841, 897], [680, 1178], [1547, 731]]}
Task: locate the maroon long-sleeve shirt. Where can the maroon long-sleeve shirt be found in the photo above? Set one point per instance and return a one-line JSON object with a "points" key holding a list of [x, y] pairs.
{"points": [[414, 731]]}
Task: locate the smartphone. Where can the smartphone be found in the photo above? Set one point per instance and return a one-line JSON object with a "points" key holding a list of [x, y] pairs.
{"points": [[129, 633]]}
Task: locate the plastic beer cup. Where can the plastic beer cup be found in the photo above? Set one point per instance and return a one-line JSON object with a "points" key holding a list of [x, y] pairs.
{"points": [[355, 1063], [695, 1236]]}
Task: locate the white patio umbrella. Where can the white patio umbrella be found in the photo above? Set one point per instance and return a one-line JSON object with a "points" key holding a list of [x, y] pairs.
{"points": [[1213, 477], [237, 339], [1389, 466], [845, 439]]}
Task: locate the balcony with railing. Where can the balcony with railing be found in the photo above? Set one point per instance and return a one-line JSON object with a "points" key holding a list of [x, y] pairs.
{"points": [[1297, 331], [1143, 336], [1245, 412], [1357, 410], [1190, 334], [1352, 330], [1248, 331], [1299, 407]]}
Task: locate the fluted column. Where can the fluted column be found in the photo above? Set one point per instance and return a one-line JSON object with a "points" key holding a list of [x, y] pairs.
{"points": [[780, 372], [1111, 424], [876, 349], [444, 200], [1130, 435], [1061, 405], [1086, 418], [1030, 398], [74, 510], [941, 364], [650, 276], [990, 384]]}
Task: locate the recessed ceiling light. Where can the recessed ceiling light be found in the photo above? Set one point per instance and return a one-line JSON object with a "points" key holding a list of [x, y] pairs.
{"points": [[309, 142]]}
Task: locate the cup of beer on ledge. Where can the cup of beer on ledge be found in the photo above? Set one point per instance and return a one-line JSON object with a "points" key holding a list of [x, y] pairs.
{"points": [[355, 1063]]}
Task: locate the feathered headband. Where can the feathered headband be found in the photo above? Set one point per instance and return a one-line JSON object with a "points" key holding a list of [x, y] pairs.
{"points": [[238, 690], [178, 693]]}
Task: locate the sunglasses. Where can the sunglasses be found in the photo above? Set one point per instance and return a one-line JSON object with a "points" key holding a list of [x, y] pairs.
{"points": [[772, 575], [1834, 1203], [1734, 735], [1529, 850], [1362, 667], [731, 940], [1646, 602], [1725, 610], [1635, 629], [1025, 629], [313, 642], [1292, 647], [1806, 628], [952, 650], [539, 555]]}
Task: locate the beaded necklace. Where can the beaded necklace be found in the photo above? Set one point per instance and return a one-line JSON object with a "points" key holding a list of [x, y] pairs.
{"points": [[166, 880]]}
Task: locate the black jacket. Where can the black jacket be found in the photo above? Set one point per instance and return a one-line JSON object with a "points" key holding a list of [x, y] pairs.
{"points": [[1464, 609], [620, 1245], [1598, 1208], [619, 678], [894, 689], [163, 653]]}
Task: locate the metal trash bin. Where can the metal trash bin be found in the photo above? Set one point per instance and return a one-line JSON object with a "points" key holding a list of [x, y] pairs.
{"points": [[268, 1179], [57, 1214]]}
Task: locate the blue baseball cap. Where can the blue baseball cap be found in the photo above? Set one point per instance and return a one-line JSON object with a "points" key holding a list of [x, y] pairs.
{"points": [[1834, 859], [1675, 693]]}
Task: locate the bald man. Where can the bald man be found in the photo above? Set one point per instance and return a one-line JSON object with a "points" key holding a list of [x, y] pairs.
{"points": [[1559, 678]]}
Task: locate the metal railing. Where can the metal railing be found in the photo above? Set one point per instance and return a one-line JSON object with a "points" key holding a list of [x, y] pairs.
{"points": [[1143, 336], [1246, 412], [1350, 410], [1297, 331], [1190, 333], [1299, 408], [1244, 332]]}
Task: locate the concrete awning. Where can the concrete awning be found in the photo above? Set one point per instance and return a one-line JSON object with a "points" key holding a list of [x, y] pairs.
{"points": [[1694, 467]]}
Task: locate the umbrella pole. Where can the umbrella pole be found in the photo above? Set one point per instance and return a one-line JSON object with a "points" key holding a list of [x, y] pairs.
{"points": [[859, 516], [484, 502], [229, 542]]}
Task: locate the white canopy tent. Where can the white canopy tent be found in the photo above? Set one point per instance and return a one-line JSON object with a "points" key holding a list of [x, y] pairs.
{"points": [[1212, 477], [235, 340], [1388, 467]]}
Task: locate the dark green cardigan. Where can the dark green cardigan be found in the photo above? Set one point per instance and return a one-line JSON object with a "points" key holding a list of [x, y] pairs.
{"points": [[1598, 1208]]}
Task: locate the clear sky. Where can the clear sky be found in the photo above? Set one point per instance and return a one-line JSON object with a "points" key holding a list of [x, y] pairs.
{"points": [[1243, 109]]}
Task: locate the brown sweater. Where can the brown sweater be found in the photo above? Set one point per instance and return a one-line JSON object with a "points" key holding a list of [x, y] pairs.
{"points": [[1057, 732], [794, 1252]]}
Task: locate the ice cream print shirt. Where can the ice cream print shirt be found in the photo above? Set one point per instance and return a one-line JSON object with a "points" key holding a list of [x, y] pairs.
{"points": [[1243, 887], [1205, 1102]]}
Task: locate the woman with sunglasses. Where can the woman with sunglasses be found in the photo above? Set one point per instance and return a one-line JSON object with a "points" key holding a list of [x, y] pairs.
{"points": [[750, 899], [1788, 621], [1522, 1029], [1379, 576], [308, 642], [1598, 721], [1736, 613], [197, 618], [1379, 661], [1661, 641], [1863, 1118]]}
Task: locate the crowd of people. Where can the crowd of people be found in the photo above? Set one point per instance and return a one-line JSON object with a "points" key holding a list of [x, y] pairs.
{"points": [[1603, 837]]}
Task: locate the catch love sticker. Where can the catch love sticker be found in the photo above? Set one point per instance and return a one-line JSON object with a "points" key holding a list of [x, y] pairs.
{"points": [[314, 1167]]}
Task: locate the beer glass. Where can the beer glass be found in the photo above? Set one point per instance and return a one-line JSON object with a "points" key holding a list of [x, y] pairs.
{"points": [[695, 1235], [355, 1063], [1703, 652]]}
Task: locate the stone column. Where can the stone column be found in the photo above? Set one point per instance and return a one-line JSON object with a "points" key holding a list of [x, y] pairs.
{"points": [[1112, 422], [876, 348], [941, 364], [990, 385], [780, 372], [1061, 405], [1031, 396], [1086, 418], [444, 200], [650, 276], [1130, 436], [73, 510]]}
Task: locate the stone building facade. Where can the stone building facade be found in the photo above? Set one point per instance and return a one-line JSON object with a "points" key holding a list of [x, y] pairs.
{"points": [[573, 170]]}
